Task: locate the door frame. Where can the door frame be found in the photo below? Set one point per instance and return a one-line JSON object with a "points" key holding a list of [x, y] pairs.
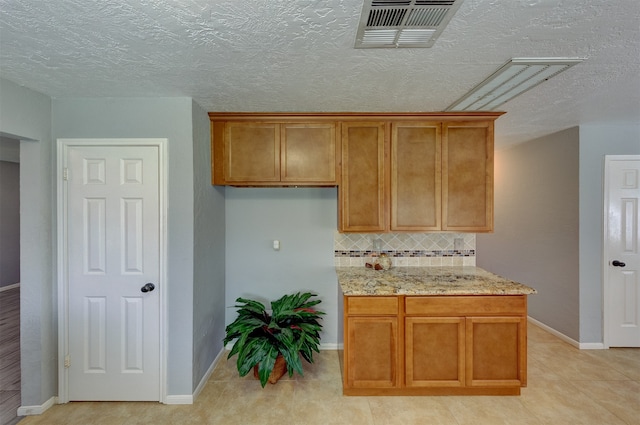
{"points": [[608, 159], [62, 253]]}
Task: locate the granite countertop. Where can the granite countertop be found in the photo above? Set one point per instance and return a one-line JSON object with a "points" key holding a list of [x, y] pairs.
{"points": [[426, 281]]}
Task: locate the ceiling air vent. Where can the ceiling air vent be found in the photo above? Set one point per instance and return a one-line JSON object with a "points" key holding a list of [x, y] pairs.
{"points": [[403, 23]]}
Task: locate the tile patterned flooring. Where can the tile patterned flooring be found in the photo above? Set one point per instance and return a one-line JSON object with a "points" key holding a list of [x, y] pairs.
{"points": [[566, 386]]}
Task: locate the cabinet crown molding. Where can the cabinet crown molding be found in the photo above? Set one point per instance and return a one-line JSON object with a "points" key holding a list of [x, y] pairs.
{"points": [[352, 116]]}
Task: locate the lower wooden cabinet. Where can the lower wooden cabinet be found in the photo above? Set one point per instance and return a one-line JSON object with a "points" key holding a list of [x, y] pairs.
{"points": [[496, 352], [435, 351], [404, 345], [373, 359]]}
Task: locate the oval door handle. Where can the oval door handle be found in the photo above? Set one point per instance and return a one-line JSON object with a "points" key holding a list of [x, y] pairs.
{"points": [[616, 263], [148, 287]]}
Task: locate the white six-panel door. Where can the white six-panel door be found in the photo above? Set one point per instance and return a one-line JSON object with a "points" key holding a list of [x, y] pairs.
{"points": [[622, 252], [112, 207]]}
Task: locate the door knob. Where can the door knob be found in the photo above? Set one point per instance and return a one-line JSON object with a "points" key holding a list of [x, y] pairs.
{"points": [[148, 287], [616, 263]]}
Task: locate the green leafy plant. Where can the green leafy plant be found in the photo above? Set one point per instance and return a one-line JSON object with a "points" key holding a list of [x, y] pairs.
{"points": [[291, 330]]}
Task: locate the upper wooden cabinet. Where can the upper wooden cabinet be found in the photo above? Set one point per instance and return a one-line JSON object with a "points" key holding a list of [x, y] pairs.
{"points": [[398, 172], [467, 176], [416, 176], [258, 151], [438, 177], [363, 196], [309, 153], [251, 152]]}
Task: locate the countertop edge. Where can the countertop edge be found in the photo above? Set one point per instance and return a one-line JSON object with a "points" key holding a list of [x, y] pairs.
{"points": [[427, 281]]}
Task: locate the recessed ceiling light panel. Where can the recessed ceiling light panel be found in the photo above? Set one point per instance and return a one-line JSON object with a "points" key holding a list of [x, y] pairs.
{"points": [[512, 79], [403, 23]]}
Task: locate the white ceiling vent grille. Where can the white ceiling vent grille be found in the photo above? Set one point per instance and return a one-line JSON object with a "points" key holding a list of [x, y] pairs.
{"points": [[403, 23]]}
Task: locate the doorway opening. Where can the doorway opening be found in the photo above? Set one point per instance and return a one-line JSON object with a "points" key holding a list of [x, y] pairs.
{"points": [[10, 379]]}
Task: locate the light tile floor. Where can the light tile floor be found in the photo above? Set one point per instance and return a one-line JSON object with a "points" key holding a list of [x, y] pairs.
{"points": [[566, 386]]}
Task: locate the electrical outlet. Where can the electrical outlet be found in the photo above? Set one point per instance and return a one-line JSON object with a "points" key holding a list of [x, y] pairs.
{"points": [[458, 244]]}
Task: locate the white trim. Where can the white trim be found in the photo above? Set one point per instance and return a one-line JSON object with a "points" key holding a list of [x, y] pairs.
{"points": [[9, 287], [37, 409], [61, 254], [324, 346], [207, 375], [568, 340], [62, 250], [592, 346], [178, 399], [331, 346], [554, 332], [163, 162]]}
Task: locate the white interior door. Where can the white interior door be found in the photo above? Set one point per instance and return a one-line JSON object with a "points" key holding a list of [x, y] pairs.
{"points": [[622, 254], [112, 199]]}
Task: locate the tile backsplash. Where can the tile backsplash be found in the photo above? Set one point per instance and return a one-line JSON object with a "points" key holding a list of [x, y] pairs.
{"points": [[406, 249]]}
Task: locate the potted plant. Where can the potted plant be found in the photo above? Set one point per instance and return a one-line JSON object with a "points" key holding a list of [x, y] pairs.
{"points": [[291, 330]]}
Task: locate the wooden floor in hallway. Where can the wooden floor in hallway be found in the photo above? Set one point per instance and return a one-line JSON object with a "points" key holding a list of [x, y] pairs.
{"points": [[9, 355]]}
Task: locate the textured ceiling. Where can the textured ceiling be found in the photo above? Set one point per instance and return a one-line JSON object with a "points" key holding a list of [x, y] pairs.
{"points": [[298, 55]]}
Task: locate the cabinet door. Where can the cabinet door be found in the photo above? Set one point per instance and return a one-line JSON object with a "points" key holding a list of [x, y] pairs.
{"points": [[252, 152], [362, 194], [496, 351], [371, 349], [308, 153], [467, 176], [415, 176], [435, 351]]}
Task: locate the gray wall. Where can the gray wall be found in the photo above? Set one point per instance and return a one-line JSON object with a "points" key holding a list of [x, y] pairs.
{"points": [[9, 223], [304, 220], [9, 149], [26, 115], [169, 118], [543, 249], [596, 141], [209, 256], [536, 237]]}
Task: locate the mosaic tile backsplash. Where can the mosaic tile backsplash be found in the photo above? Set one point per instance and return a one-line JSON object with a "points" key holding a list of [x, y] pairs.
{"points": [[406, 249]]}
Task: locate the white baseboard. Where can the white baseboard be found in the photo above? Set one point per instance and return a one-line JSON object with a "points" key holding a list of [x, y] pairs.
{"points": [[8, 287], [189, 399], [332, 346], [207, 375], [37, 410], [324, 346], [178, 399], [592, 346], [568, 340]]}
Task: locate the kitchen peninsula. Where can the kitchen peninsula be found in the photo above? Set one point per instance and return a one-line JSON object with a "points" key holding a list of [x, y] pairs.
{"points": [[433, 331]]}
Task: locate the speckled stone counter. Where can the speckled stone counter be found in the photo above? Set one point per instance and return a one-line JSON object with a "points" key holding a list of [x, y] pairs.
{"points": [[426, 281]]}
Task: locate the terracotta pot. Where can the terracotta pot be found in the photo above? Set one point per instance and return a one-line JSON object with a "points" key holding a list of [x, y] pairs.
{"points": [[279, 369]]}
